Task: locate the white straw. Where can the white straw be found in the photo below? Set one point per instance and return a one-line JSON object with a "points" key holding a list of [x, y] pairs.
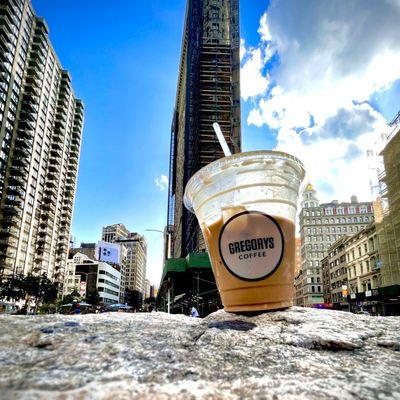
{"points": [[221, 139]]}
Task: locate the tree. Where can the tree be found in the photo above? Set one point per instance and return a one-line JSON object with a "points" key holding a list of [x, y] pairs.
{"points": [[40, 288], [12, 287], [19, 287], [69, 298], [93, 298]]}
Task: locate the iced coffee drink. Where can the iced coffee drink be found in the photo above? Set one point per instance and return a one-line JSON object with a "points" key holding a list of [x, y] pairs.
{"points": [[246, 207]]}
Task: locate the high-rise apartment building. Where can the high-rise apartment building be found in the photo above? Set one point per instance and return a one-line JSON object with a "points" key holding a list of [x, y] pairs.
{"points": [[40, 134], [208, 91], [320, 226], [135, 259]]}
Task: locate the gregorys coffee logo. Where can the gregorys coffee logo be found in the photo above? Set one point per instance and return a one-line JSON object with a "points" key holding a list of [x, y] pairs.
{"points": [[251, 245]]}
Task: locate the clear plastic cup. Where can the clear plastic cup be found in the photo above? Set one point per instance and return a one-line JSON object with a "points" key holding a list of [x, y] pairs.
{"points": [[246, 207]]}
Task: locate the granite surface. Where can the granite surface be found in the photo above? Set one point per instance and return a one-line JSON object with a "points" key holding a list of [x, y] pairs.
{"points": [[294, 354]]}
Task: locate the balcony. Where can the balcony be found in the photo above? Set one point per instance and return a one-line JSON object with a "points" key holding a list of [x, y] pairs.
{"points": [[56, 162], [20, 161], [26, 124], [61, 113], [21, 151], [8, 221], [56, 146], [35, 72], [15, 191], [49, 208], [70, 179], [24, 133], [45, 231], [16, 181], [46, 217], [60, 124], [42, 241], [13, 201], [67, 207], [52, 176], [55, 151], [66, 215], [9, 232], [50, 191], [49, 200], [38, 259], [57, 138], [38, 55], [18, 172], [63, 97], [54, 166], [9, 210], [33, 91], [5, 243], [75, 140], [6, 24]]}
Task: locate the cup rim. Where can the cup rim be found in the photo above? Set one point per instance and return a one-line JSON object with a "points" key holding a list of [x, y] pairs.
{"points": [[217, 166]]}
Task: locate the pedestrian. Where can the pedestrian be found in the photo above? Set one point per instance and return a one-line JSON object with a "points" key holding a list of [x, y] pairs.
{"points": [[194, 313], [76, 308]]}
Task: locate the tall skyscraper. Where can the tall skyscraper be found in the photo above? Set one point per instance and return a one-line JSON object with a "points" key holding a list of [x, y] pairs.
{"points": [[320, 226], [208, 91], [40, 133], [135, 260]]}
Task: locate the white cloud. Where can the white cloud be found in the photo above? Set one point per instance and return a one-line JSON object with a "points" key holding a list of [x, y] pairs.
{"points": [[242, 49], [333, 56], [162, 182], [263, 30], [253, 83]]}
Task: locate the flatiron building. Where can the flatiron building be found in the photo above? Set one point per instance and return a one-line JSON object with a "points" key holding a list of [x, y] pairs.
{"points": [[40, 134], [208, 91]]}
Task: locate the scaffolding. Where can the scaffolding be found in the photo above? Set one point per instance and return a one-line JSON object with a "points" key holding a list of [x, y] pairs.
{"points": [[208, 92], [389, 227]]}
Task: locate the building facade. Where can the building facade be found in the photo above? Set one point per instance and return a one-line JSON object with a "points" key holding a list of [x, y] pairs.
{"points": [[134, 259], [114, 232], [87, 275], [362, 256], [389, 226], [334, 274], [320, 226], [208, 91], [297, 257], [40, 132]]}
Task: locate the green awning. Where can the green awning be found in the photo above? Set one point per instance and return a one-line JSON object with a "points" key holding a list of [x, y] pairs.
{"points": [[193, 261]]}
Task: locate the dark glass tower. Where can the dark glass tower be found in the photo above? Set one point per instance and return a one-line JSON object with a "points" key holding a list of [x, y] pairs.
{"points": [[208, 91]]}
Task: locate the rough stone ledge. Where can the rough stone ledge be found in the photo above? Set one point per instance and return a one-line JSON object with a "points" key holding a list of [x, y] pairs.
{"points": [[294, 354]]}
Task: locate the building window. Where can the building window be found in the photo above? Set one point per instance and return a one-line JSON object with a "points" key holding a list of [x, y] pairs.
{"points": [[363, 210], [352, 210], [340, 210]]}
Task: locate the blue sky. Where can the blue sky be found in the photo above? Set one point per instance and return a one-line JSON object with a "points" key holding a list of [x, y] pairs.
{"points": [[124, 62], [319, 79]]}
